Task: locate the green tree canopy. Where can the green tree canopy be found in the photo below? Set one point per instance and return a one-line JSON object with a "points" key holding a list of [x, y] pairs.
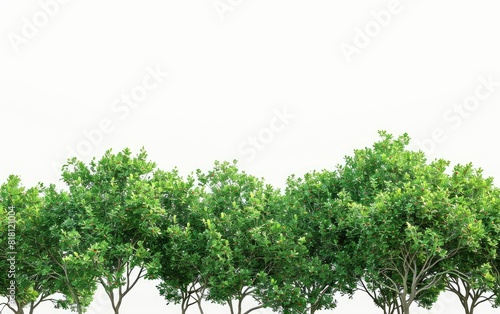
{"points": [[20, 263], [119, 207], [386, 222], [410, 225]]}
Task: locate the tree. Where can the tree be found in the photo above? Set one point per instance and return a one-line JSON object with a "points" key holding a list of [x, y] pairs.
{"points": [[119, 208], [181, 246], [387, 223], [325, 268], [23, 283], [478, 281], [410, 225], [70, 259], [243, 243], [41, 271]]}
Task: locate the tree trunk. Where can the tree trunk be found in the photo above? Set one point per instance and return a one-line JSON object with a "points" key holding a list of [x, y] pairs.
{"points": [[405, 307], [200, 306], [405, 304], [79, 307], [20, 308], [230, 304], [117, 306], [184, 302], [76, 299], [469, 310]]}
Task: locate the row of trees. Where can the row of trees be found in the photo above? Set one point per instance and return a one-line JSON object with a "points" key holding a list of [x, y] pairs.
{"points": [[386, 222]]}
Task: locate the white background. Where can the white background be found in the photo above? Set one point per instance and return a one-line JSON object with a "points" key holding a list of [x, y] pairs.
{"points": [[231, 71]]}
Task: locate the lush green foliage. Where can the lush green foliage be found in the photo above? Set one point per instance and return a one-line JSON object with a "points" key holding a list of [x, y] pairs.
{"points": [[386, 222], [20, 214], [116, 202], [410, 224]]}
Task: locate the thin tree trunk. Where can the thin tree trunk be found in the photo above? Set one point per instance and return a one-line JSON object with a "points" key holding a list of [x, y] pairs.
{"points": [[116, 307], [240, 301], [20, 308], [184, 303], [405, 304], [230, 304], [199, 306], [32, 307], [405, 307]]}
